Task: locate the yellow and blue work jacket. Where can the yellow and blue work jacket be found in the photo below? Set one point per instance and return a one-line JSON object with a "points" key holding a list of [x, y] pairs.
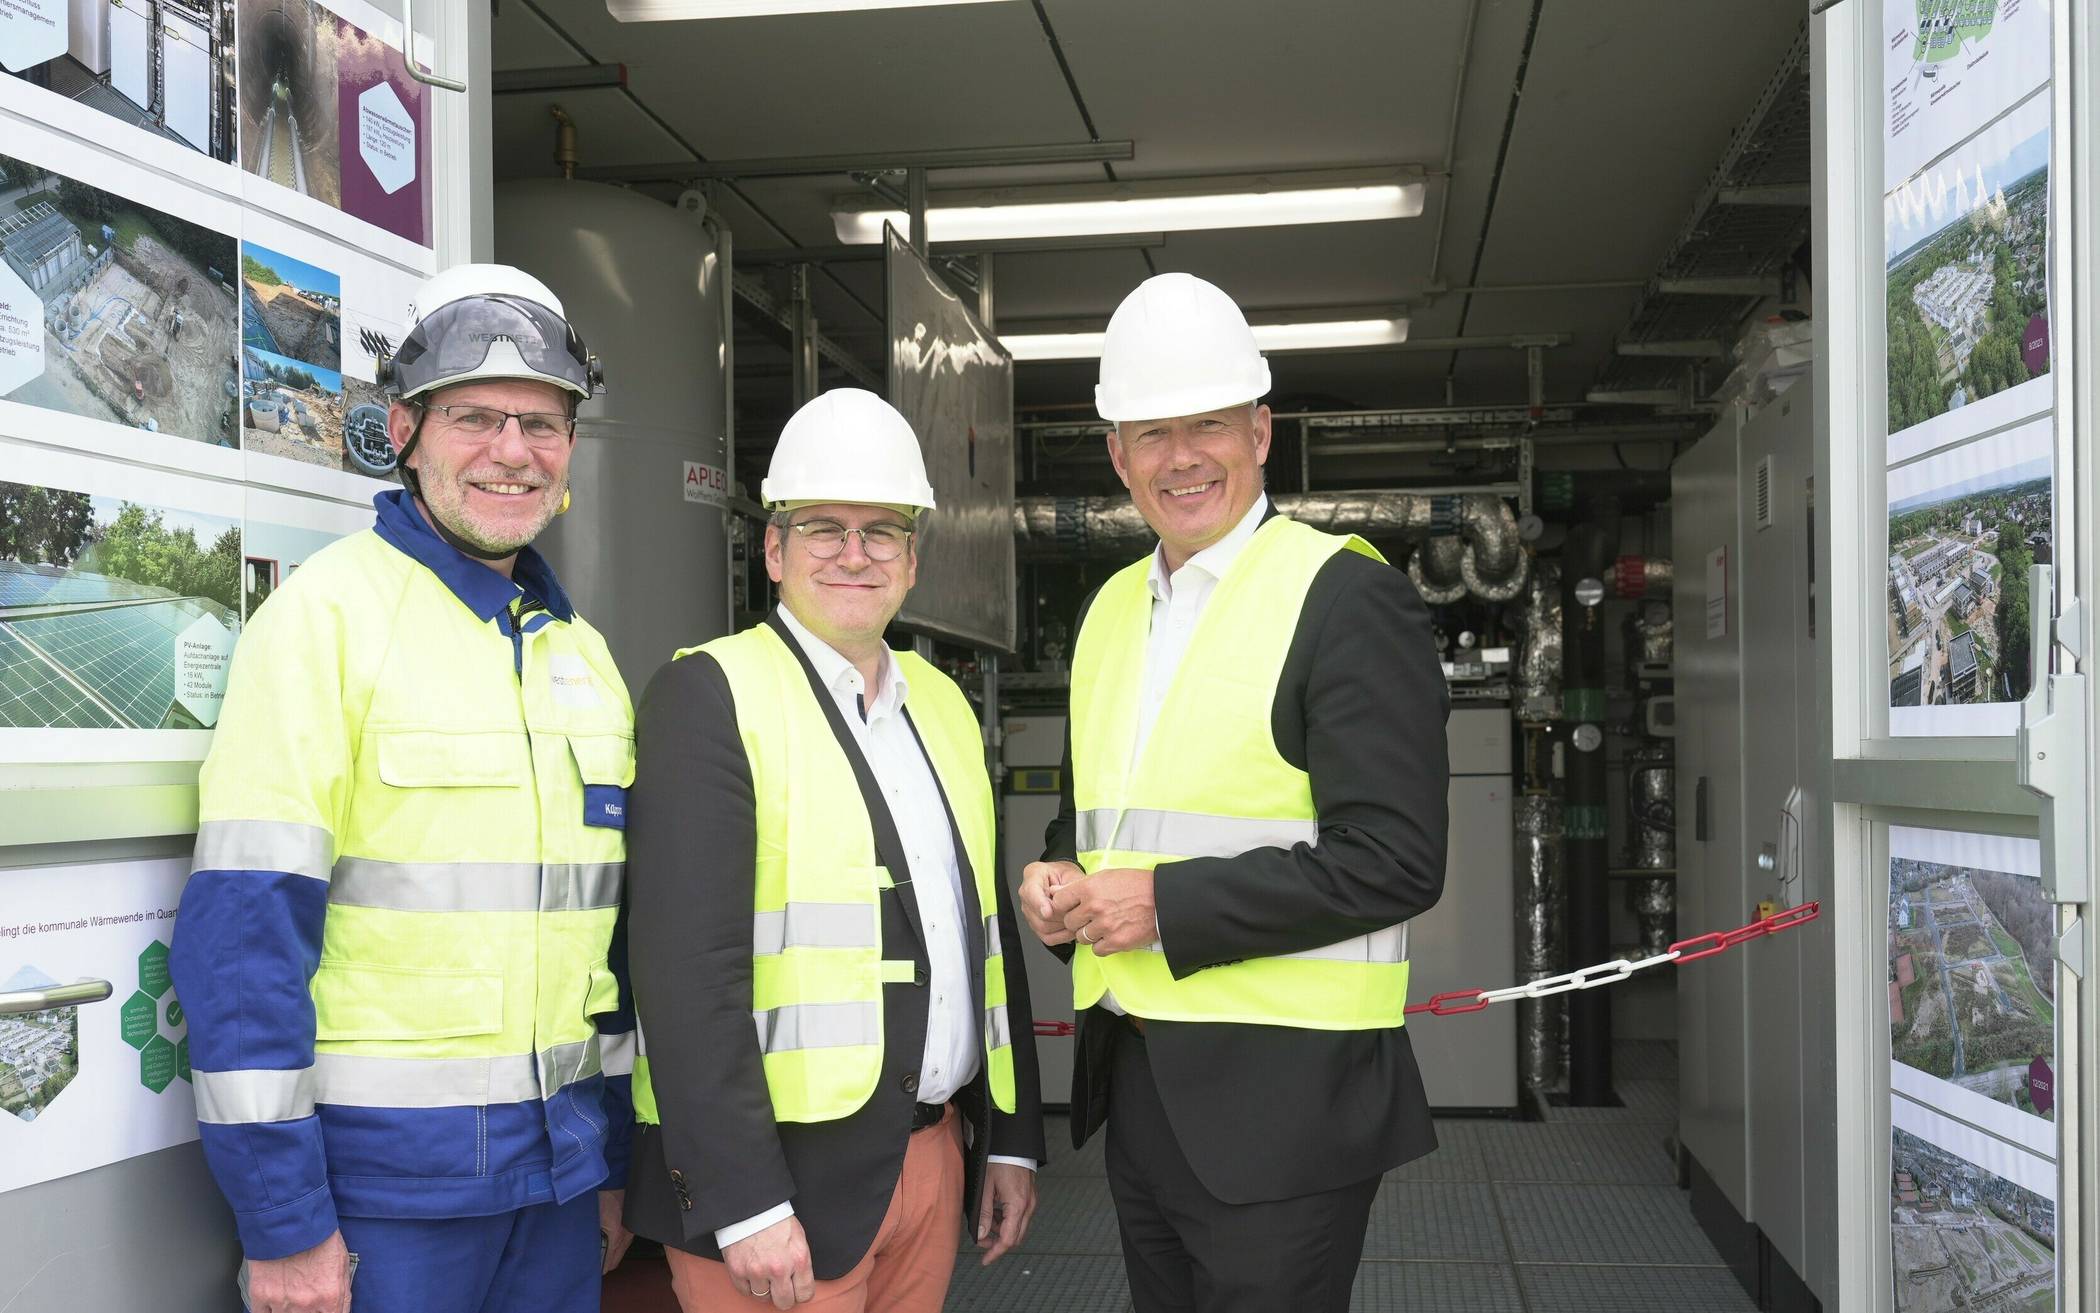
{"points": [[397, 947]]}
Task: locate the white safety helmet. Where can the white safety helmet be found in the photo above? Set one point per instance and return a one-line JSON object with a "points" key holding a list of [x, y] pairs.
{"points": [[1177, 346], [487, 321], [848, 445]]}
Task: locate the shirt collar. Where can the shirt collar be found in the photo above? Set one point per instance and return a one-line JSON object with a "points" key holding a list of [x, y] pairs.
{"points": [[1213, 560], [842, 676], [481, 589]]}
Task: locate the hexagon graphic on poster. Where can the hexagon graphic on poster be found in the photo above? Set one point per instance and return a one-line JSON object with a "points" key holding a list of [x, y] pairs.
{"points": [[386, 137], [203, 652], [21, 329], [31, 33], [39, 1051]]}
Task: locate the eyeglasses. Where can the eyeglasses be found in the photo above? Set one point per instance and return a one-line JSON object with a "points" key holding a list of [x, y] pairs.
{"points": [[827, 538], [539, 428]]}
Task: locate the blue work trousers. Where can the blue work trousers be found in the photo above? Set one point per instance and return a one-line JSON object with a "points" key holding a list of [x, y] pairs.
{"points": [[544, 1258]]}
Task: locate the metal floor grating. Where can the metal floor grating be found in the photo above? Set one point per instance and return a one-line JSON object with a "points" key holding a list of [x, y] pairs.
{"points": [[1575, 1214]]}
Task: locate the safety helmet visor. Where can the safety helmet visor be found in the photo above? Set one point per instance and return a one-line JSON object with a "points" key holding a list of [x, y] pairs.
{"points": [[492, 336]]}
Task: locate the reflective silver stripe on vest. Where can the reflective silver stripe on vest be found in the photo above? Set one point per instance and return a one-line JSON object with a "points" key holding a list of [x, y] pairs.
{"points": [[992, 946], [817, 1026], [617, 1051], [1387, 947], [476, 886], [263, 846], [815, 925], [230, 1098], [1188, 834], [354, 1080], [997, 1032]]}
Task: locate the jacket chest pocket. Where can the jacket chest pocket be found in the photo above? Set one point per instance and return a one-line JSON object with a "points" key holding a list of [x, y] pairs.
{"points": [[436, 759], [605, 765]]}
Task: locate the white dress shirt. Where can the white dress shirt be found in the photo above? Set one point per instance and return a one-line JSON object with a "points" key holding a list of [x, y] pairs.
{"points": [[1178, 600], [954, 1031]]}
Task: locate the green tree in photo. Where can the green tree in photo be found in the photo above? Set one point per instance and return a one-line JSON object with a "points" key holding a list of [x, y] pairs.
{"points": [[255, 271], [2012, 619], [43, 526], [138, 545]]}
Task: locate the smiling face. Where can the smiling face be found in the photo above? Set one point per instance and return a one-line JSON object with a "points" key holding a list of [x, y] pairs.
{"points": [[495, 490], [850, 599], [1194, 477]]}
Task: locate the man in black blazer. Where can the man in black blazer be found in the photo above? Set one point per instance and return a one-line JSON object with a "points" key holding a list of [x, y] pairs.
{"points": [[807, 1163], [1248, 1128]]}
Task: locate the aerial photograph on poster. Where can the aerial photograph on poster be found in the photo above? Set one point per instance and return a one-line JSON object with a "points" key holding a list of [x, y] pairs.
{"points": [[291, 408], [167, 77], [113, 614], [1968, 285], [113, 310], [39, 1051], [1965, 1238], [289, 131], [1951, 66], [291, 308], [1972, 987], [1964, 528]]}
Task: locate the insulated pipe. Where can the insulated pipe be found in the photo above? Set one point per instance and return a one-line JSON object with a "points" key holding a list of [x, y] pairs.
{"points": [[1641, 576], [1589, 909], [1472, 545], [1436, 569], [1538, 662], [1541, 937]]}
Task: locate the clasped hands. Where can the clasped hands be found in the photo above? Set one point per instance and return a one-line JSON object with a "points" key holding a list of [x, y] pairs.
{"points": [[1109, 911]]}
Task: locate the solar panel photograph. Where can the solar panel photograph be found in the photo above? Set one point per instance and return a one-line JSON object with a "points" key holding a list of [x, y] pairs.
{"points": [[113, 614]]}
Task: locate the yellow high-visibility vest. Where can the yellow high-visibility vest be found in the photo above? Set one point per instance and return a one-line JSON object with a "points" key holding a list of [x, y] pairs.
{"points": [[816, 931], [1211, 783], [460, 789]]}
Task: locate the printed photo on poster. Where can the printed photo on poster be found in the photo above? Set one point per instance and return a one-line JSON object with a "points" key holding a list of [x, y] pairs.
{"points": [[1972, 975], [1964, 1237], [291, 308], [113, 310], [1951, 66], [385, 135], [162, 66], [280, 533], [1968, 288], [289, 133], [84, 1086], [118, 611], [1964, 527], [327, 111], [291, 408]]}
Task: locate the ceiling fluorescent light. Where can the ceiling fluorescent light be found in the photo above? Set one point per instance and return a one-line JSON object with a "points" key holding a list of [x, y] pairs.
{"points": [[1164, 205], [652, 11], [1307, 335]]}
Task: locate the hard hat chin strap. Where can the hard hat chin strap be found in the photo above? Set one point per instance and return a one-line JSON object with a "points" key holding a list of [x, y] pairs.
{"points": [[414, 485]]}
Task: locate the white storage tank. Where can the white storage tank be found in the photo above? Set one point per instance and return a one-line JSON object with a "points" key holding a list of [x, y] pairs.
{"points": [[643, 550]]}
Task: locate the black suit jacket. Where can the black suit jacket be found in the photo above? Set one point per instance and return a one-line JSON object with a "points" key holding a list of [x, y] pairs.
{"points": [[691, 844], [1273, 1112]]}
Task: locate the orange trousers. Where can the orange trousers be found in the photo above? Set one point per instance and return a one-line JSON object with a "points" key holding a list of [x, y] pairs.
{"points": [[906, 1268]]}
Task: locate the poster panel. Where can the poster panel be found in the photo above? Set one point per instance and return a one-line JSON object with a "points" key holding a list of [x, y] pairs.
{"points": [[282, 532], [1951, 66], [86, 1086], [1972, 1219], [328, 112], [1968, 286], [1965, 525], [113, 308], [188, 74], [955, 383], [119, 608]]}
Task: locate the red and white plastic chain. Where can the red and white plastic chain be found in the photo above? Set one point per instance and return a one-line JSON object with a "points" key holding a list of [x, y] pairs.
{"points": [[1453, 1002]]}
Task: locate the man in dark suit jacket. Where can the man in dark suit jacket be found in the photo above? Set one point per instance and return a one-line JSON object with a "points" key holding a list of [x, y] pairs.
{"points": [[1250, 1128], [812, 1163]]}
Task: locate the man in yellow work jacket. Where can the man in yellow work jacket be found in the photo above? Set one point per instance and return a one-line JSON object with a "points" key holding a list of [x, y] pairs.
{"points": [[837, 1059], [397, 946], [1255, 808]]}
